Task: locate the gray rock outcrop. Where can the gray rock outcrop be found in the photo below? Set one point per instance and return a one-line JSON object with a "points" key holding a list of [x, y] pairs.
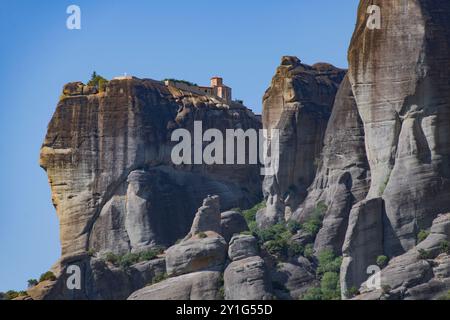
{"points": [[247, 279], [242, 247], [197, 254], [194, 286], [232, 222], [298, 103]]}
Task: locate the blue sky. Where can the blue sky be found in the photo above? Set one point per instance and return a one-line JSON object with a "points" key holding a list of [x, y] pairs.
{"points": [[242, 41]]}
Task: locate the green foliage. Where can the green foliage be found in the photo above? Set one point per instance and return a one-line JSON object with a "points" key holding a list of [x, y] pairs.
{"points": [[182, 81], [48, 276], [445, 297], [293, 226], [250, 216], [422, 235], [328, 263], [352, 292], [97, 81], [278, 241], [202, 235], [159, 278], [328, 270], [309, 251], [382, 261], [313, 294], [314, 223], [112, 258], [424, 254], [445, 247], [129, 259], [330, 287], [11, 295], [92, 252], [32, 283]]}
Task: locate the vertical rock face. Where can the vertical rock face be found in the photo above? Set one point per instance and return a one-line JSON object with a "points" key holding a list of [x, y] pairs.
{"points": [[399, 74], [108, 159], [298, 103], [343, 177]]}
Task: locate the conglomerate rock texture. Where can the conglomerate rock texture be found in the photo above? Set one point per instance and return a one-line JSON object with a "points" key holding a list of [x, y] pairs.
{"points": [[298, 104], [366, 151], [108, 159]]}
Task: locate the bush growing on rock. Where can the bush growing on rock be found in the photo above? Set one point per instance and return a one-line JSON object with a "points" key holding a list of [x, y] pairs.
{"points": [[11, 295], [97, 81], [422, 235], [445, 247], [129, 259], [48, 276], [382, 261], [424, 254], [329, 285], [313, 224], [159, 278], [328, 262], [250, 216], [32, 283]]}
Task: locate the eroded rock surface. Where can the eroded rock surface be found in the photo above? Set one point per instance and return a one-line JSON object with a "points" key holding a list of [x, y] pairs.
{"points": [[298, 103]]}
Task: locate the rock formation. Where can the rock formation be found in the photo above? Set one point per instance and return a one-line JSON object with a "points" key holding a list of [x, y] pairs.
{"points": [[364, 159], [108, 159], [298, 104]]}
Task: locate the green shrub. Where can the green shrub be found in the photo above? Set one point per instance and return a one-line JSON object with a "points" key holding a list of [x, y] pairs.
{"points": [[11, 295], [352, 292], [128, 260], [202, 235], [309, 251], [97, 81], [422, 235], [314, 223], [32, 283], [382, 261], [91, 252], [112, 258], [250, 214], [294, 226], [295, 249], [445, 297], [424, 254], [329, 285], [313, 294], [48, 276], [150, 254], [159, 278], [328, 262], [445, 247], [23, 294]]}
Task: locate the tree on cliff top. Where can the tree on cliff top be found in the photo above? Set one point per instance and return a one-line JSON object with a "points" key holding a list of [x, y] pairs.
{"points": [[97, 81]]}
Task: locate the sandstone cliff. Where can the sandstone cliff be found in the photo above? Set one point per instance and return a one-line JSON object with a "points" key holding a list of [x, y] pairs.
{"points": [[364, 179]]}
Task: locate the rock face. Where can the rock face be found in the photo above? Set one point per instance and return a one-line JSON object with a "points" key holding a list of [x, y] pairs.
{"points": [[194, 286], [363, 243], [421, 273], [247, 279], [232, 222], [196, 254], [100, 280], [298, 103], [208, 217], [108, 159], [404, 103], [242, 247], [343, 177]]}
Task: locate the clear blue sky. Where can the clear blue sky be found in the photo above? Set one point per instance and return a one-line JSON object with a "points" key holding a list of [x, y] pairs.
{"points": [[242, 41]]}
